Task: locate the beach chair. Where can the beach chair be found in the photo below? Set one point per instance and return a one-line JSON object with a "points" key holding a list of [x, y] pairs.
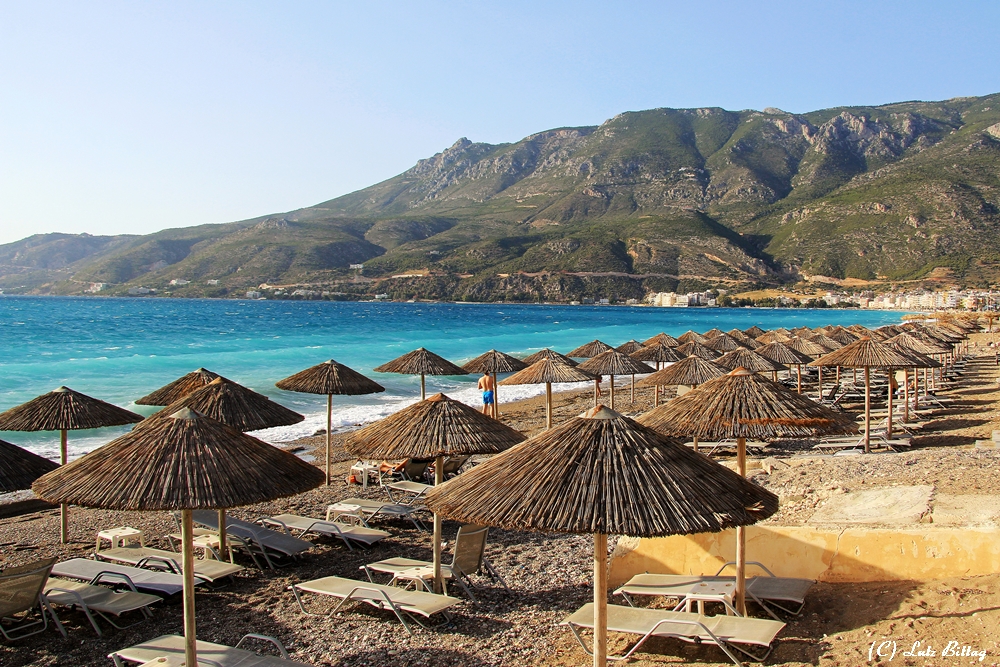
{"points": [[171, 648], [370, 509], [93, 598], [21, 596], [452, 465], [407, 493], [728, 632], [258, 541], [346, 532], [468, 558], [156, 582], [169, 561], [405, 604]]}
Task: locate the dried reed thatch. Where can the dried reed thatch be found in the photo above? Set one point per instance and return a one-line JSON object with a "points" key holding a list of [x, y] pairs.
{"points": [[494, 362], [179, 388], [801, 331], [748, 359], [907, 341], [420, 362], [437, 426], [742, 404], [782, 354], [330, 378], [942, 333], [806, 347], [859, 330], [591, 349], [65, 410], [691, 336], [663, 338], [603, 473], [697, 349], [690, 371], [613, 362], [546, 353], [656, 352], [712, 333], [19, 467], [772, 337], [864, 353], [629, 347], [743, 339], [234, 405], [829, 343], [183, 461], [547, 370], [723, 343], [919, 360], [842, 335], [754, 332]]}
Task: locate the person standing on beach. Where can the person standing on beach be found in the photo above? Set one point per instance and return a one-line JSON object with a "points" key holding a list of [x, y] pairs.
{"points": [[487, 385]]}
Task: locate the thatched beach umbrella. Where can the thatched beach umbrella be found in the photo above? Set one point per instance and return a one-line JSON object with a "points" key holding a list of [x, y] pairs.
{"points": [[65, 410], [663, 338], [603, 474], [690, 336], [807, 347], [920, 361], [743, 339], [689, 372], [657, 353], [697, 349], [179, 388], [744, 405], [628, 347], [754, 331], [866, 353], [712, 333], [548, 371], [494, 362], [842, 335], [907, 341], [19, 467], [772, 337], [782, 354], [329, 378], [185, 461], [433, 428], [589, 350], [420, 362], [614, 363], [546, 353], [748, 359], [723, 342]]}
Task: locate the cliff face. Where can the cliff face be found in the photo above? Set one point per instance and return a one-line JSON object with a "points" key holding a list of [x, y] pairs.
{"points": [[665, 196]]}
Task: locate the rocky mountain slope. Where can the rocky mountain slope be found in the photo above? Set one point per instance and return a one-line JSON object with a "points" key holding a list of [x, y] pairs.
{"points": [[652, 200]]}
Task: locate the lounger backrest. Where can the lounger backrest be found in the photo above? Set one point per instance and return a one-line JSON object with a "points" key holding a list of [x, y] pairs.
{"points": [[414, 470], [20, 586], [470, 545], [453, 464]]}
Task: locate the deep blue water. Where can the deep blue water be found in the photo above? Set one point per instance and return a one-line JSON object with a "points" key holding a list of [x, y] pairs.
{"points": [[121, 349]]}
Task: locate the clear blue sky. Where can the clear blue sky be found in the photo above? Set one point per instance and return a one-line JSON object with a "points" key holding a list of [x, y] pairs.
{"points": [[135, 116]]}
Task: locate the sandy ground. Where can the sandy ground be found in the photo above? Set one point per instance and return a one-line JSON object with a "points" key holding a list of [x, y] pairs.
{"points": [[550, 574]]}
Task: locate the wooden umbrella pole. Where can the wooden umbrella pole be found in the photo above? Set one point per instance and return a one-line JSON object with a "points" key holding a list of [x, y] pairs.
{"points": [[612, 392], [888, 421], [63, 507], [329, 427], [438, 479], [187, 560], [838, 375], [600, 600], [597, 387], [423, 390], [906, 395], [741, 538], [496, 397], [695, 439], [820, 384], [548, 405], [868, 412], [632, 388], [798, 368]]}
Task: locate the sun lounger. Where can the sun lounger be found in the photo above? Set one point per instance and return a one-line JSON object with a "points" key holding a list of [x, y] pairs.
{"points": [[256, 540], [345, 531], [408, 492], [21, 593], [157, 582], [403, 603], [726, 632], [100, 599], [711, 447], [370, 509], [169, 561], [171, 647]]}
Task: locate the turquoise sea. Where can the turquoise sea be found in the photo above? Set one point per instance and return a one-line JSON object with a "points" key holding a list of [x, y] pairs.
{"points": [[121, 349]]}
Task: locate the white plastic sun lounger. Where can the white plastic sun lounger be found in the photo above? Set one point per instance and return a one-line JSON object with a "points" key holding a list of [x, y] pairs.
{"points": [[726, 632], [171, 647], [157, 559], [413, 491], [370, 509], [100, 599], [256, 540], [159, 583], [345, 531], [403, 603]]}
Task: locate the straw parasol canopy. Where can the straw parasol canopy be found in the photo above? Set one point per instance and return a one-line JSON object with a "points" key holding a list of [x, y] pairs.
{"points": [[806, 346], [697, 349], [657, 353], [867, 354], [712, 333], [743, 339], [420, 362], [823, 340], [841, 335], [630, 346], [19, 467], [65, 410], [591, 349], [330, 378], [546, 353], [179, 388], [772, 337], [859, 330], [748, 359], [744, 405], [603, 473], [185, 461], [723, 342], [664, 338], [613, 363], [689, 336], [690, 371], [754, 332], [234, 405], [546, 371], [491, 363], [782, 354], [907, 341], [434, 428]]}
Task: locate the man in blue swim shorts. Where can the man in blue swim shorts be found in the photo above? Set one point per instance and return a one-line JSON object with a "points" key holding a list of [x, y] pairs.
{"points": [[488, 386]]}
